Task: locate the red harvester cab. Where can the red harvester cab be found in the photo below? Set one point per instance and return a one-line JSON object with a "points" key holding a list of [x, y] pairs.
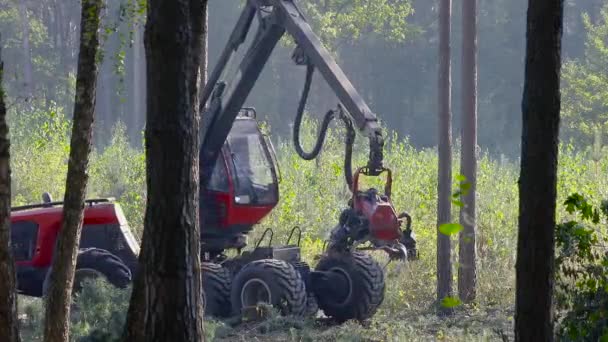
{"points": [[243, 188]]}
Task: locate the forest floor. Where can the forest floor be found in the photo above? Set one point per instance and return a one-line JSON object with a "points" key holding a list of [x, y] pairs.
{"points": [[466, 324]]}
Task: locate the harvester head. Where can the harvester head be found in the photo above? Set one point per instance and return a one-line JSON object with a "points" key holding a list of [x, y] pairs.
{"points": [[371, 217]]}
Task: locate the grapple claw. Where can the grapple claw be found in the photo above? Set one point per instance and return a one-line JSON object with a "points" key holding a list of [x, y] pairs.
{"points": [[396, 252]]}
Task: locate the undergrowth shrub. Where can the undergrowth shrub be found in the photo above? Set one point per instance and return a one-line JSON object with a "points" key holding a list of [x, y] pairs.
{"points": [[581, 290], [98, 315]]}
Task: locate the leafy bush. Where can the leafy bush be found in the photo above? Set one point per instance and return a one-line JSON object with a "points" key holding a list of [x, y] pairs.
{"points": [[582, 273], [98, 314]]}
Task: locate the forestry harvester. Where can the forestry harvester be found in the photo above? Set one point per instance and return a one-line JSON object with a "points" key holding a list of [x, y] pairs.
{"points": [[239, 187]]}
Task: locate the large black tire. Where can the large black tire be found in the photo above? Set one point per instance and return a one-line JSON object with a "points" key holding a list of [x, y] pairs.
{"points": [[365, 292], [269, 281], [92, 263], [216, 289]]}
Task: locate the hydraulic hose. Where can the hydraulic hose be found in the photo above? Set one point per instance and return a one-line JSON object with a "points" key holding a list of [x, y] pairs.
{"points": [[298, 121], [348, 151], [330, 115]]}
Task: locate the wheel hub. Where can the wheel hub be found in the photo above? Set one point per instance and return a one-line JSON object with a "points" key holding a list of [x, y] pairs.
{"points": [[255, 291]]}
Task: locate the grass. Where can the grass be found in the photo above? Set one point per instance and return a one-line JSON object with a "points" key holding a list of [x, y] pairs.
{"points": [[312, 195]]}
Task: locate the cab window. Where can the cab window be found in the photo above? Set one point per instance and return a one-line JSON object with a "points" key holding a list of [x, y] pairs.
{"points": [[219, 177], [23, 239]]}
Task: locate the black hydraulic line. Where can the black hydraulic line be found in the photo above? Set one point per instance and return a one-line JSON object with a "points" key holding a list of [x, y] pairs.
{"points": [[348, 150], [350, 131], [298, 121]]}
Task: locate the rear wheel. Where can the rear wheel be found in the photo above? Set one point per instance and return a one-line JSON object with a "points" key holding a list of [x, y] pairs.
{"points": [[363, 286], [272, 282], [93, 263], [216, 289]]}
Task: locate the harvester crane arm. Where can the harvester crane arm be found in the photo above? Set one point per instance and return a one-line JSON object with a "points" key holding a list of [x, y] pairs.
{"points": [[224, 101]]}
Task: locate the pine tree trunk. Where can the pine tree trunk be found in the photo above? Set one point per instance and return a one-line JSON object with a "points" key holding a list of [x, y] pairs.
{"points": [[9, 327], [167, 303], [57, 313], [139, 94], [444, 265], [203, 75], [537, 183], [28, 79], [467, 271]]}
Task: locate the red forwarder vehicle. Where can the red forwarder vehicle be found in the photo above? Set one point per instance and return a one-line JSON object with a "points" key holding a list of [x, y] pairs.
{"points": [[107, 246]]}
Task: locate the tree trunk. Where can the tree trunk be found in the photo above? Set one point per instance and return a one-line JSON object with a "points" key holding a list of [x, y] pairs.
{"points": [[203, 75], [139, 94], [444, 265], [166, 304], [28, 80], [538, 175], [467, 271], [8, 299], [58, 298]]}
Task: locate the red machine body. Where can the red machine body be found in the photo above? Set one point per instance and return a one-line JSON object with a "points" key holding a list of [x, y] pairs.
{"points": [[48, 223], [34, 232]]}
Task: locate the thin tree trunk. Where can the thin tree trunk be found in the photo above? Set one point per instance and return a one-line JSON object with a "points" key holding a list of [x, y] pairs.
{"points": [[28, 79], [9, 327], [57, 313], [139, 94], [467, 270], [444, 265], [166, 304], [538, 175]]}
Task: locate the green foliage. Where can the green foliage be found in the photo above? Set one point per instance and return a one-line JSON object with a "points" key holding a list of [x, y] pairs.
{"points": [[450, 228], [99, 312], [585, 90], [350, 20], [450, 302], [582, 274], [40, 151], [120, 172]]}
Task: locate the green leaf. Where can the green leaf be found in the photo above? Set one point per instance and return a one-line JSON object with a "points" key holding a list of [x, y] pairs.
{"points": [[450, 228], [450, 302], [458, 203]]}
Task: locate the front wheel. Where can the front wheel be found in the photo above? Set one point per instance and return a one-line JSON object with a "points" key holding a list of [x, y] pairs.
{"points": [[363, 286], [272, 282]]}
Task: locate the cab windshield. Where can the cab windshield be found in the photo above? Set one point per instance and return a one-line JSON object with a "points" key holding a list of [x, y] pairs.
{"points": [[255, 181]]}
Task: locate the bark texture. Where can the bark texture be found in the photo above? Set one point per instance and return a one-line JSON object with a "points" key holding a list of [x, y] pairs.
{"points": [[9, 328], [166, 304], [444, 265], [467, 269], [58, 298], [538, 176]]}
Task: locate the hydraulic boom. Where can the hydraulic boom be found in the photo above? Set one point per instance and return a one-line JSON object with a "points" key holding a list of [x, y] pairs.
{"points": [[277, 17], [239, 187]]}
